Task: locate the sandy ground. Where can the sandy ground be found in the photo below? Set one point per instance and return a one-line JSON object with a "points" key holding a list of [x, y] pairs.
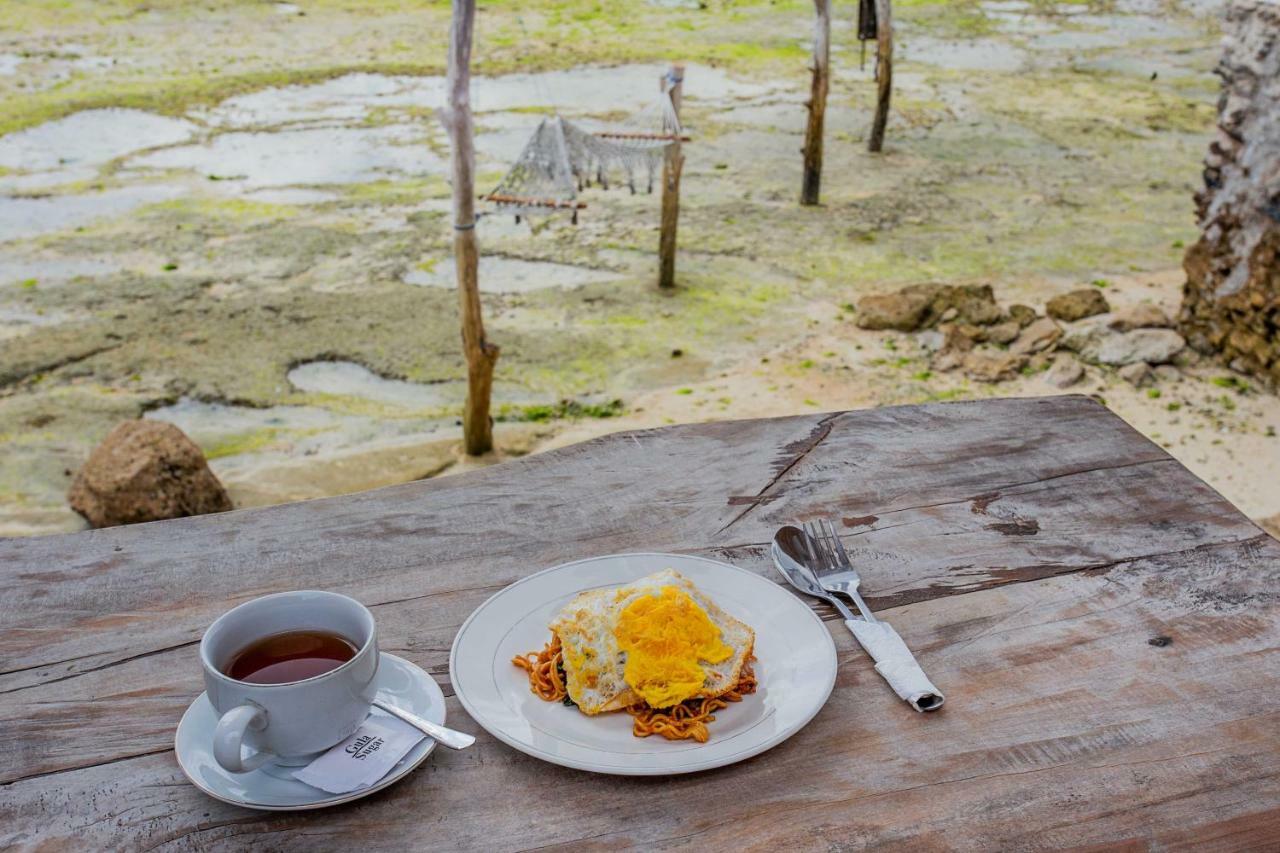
{"points": [[254, 244]]}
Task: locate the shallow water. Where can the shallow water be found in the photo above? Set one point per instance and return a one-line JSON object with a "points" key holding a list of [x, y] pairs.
{"points": [[969, 55], [348, 379], [577, 91], [18, 321], [511, 275], [312, 156], [293, 195], [29, 217], [51, 270], [1109, 31], [90, 138]]}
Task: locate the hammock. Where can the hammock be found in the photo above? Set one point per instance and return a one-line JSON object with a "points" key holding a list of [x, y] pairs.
{"points": [[562, 157]]}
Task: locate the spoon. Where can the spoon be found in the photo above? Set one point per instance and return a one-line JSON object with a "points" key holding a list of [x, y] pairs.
{"points": [[449, 737]]}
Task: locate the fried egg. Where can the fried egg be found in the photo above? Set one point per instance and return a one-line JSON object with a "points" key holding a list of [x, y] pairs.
{"points": [[659, 640]]}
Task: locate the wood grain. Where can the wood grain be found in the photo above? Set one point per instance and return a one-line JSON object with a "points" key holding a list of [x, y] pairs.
{"points": [[1028, 550]]}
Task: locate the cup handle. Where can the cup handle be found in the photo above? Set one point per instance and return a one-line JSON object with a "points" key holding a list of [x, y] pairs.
{"points": [[228, 738]]}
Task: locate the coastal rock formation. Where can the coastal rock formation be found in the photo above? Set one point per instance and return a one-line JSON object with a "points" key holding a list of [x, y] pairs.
{"points": [[1231, 300], [145, 471]]}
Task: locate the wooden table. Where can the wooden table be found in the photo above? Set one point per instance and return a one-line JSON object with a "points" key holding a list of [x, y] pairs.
{"points": [[1103, 623]]}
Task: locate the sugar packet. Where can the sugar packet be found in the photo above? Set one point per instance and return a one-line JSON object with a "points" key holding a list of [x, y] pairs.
{"points": [[363, 758]]}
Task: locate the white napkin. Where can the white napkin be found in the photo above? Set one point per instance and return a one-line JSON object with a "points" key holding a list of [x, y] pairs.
{"points": [[362, 759], [895, 662]]}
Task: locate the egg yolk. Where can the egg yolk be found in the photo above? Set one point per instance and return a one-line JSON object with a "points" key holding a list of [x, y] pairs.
{"points": [[664, 636]]}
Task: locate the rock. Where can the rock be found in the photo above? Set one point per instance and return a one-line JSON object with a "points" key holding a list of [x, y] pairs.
{"points": [[1141, 316], [975, 303], [1038, 363], [920, 306], [930, 341], [1066, 371], [1271, 525], [993, 365], [1086, 336], [902, 311], [1154, 346], [1024, 314], [1037, 337], [1002, 333], [1231, 299], [145, 471], [959, 337], [1078, 304], [1137, 374], [947, 360], [1168, 373]]}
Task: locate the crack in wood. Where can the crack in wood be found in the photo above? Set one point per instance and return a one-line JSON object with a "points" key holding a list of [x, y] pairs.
{"points": [[80, 767], [91, 669], [817, 434]]}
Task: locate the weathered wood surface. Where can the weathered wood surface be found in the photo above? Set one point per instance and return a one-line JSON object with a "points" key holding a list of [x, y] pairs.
{"points": [[1029, 550]]}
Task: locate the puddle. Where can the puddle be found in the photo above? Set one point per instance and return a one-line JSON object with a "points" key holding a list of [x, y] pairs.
{"points": [[38, 181], [579, 91], [9, 63], [90, 138], [313, 156], [970, 55], [47, 271], [210, 423], [348, 379], [236, 435], [347, 98], [1110, 31], [15, 322], [293, 196], [511, 275], [28, 217]]}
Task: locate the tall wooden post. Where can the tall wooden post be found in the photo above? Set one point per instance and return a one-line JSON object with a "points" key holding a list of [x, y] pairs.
{"points": [[884, 74], [477, 428], [672, 166], [817, 102]]}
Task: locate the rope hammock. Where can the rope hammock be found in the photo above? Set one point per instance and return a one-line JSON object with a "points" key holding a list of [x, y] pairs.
{"points": [[562, 157]]}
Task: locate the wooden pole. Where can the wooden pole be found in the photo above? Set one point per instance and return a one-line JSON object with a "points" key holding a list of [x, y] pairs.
{"points": [[817, 102], [672, 166], [477, 428], [884, 74]]}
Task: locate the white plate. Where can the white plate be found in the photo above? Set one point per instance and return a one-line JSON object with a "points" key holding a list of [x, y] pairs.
{"points": [[273, 788], [795, 665]]}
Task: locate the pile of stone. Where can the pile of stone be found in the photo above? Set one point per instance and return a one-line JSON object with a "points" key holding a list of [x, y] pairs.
{"points": [[966, 329]]}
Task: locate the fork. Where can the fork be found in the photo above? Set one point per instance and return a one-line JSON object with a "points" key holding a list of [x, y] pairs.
{"points": [[832, 565], [835, 573]]}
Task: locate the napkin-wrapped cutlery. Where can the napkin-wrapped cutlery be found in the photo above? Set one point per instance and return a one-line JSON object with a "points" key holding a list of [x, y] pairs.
{"points": [[814, 562]]}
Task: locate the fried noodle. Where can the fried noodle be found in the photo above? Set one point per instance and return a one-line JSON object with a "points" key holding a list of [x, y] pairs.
{"points": [[546, 671], [685, 721]]}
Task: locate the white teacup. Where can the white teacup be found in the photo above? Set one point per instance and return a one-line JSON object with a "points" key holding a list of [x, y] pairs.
{"points": [[292, 722]]}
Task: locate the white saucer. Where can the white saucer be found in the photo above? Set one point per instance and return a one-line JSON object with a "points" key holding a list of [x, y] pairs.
{"points": [[273, 788]]}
